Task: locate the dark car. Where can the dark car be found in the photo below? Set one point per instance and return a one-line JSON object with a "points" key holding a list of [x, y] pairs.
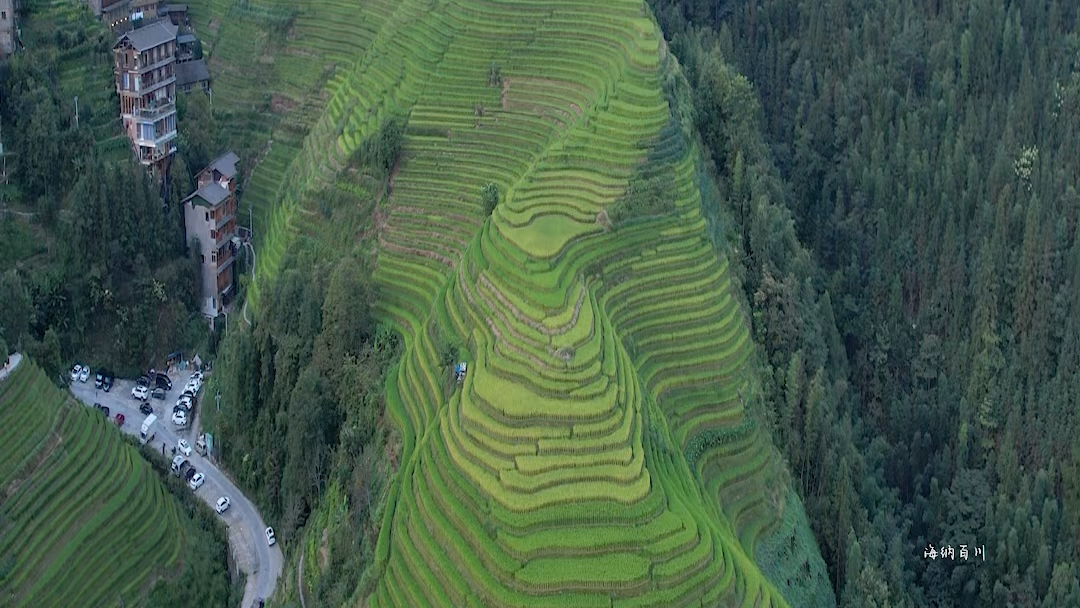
{"points": [[107, 380], [143, 381], [119, 420], [158, 393], [102, 408], [163, 381], [99, 379], [188, 474], [146, 408], [179, 408]]}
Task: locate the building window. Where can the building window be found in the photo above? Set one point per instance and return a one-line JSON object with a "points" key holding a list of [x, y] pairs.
{"points": [[213, 256], [3, 15], [202, 259], [213, 235], [208, 216]]}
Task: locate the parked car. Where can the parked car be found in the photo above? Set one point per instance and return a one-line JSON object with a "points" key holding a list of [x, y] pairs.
{"points": [[139, 392], [99, 379], [143, 381], [179, 419], [184, 447], [185, 401], [222, 505], [84, 374], [107, 379], [101, 408], [163, 381], [197, 481], [270, 540], [146, 408], [75, 372], [158, 393], [189, 474], [179, 408], [119, 420]]}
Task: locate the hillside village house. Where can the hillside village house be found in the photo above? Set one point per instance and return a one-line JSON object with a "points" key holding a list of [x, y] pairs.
{"points": [[210, 218], [121, 15], [8, 32], [192, 76], [146, 84]]}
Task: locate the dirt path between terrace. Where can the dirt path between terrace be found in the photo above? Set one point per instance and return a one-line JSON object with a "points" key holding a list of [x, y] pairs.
{"points": [[300, 580]]}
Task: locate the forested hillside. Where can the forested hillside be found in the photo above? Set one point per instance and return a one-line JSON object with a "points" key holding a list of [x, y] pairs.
{"points": [[926, 155], [92, 266]]}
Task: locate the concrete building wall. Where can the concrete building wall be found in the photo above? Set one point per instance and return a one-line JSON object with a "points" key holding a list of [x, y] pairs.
{"points": [[7, 27], [198, 223]]}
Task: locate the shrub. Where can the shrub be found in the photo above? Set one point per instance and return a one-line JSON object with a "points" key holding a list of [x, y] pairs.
{"points": [[489, 197]]}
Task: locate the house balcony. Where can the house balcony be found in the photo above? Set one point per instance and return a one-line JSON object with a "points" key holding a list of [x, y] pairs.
{"points": [[142, 69], [150, 88], [159, 141], [223, 266], [155, 112], [153, 155], [224, 220]]}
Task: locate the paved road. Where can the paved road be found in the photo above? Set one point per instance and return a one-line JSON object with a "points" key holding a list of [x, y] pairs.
{"points": [[260, 562], [12, 363]]}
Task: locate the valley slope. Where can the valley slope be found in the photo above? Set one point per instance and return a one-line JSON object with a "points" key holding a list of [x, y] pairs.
{"points": [[84, 520], [604, 447]]}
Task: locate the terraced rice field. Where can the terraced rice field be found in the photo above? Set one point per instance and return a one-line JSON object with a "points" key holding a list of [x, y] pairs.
{"points": [[84, 521], [602, 448]]}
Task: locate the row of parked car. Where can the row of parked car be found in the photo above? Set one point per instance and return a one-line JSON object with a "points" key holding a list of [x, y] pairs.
{"points": [[162, 384], [103, 380]]}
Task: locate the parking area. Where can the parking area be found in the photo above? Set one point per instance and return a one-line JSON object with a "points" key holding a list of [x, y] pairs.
{"points": [[263, 564], [119, 400]]}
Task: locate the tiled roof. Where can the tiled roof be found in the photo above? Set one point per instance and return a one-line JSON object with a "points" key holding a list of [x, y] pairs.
{"points": [[190, 72], [225, 165], [212, 193], [150, 36]]}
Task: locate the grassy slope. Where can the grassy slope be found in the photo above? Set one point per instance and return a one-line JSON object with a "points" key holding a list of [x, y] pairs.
{"points": [[634, 471], [84, 520]]}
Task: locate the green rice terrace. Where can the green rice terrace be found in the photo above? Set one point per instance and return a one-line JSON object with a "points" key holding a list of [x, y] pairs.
{"points": [[84, 520], [603, 448]]}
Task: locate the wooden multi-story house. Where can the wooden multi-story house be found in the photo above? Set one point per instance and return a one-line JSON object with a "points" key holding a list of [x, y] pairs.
{"points": [[210, 220], [146, 84]]}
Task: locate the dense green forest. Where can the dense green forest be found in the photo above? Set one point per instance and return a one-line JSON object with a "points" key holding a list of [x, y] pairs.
{"points": [[904, 184], [305, 432]]}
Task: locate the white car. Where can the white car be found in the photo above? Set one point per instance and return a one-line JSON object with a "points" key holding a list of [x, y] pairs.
{"points": [[179, 419], [75, 372], [184, 401], [184, 447], [193, 386], [270, 540], [222, 505], [140, 393], [197, 481], [84, 375]]}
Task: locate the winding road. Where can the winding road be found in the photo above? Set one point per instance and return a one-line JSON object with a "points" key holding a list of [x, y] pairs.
{"points": [[260, 562]]}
